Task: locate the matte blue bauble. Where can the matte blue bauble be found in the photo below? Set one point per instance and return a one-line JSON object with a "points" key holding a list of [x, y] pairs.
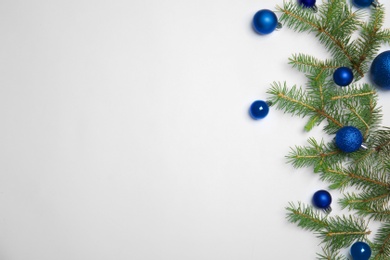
{"points": [[349, 139], [362, 3], [265, 21], [343, 76], [322, 199], [360, 251], [380, 70], [259, 109], [307, 3]]}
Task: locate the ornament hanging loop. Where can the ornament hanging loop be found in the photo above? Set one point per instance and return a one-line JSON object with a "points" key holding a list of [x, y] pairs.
{"points": [[279, 26]]}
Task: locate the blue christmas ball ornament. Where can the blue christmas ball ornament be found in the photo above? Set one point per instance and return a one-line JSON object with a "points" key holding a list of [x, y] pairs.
{"points": [[259, 109], [349, 139], [362, 3], [307, 3], [343, 76], [380, 70], [265, 21], [360, 251], [322, 199]]}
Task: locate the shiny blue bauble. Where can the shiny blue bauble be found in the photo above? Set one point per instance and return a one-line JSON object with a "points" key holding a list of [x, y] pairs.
{"points": [[360, 251], [349, 139], [265, 21], [307, 3], [362, 3], [343, 76], [259, 109], [322, 199], [380, 70]]}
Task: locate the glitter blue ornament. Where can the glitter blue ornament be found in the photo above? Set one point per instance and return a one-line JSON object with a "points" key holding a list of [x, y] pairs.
{"points": [[380, 70], [265, 21], [360, 251], [362, 3], [349, 139], [307, 3], [322, 199], [343, 76], [259, 109]]}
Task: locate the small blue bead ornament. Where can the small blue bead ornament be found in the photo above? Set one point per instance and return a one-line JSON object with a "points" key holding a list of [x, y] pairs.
{"points": [[343, 76], [259, 109], [380, 70], [362, 3], [265, 21], [349, 139], [322, 199], [360, 251], [307, 3]]}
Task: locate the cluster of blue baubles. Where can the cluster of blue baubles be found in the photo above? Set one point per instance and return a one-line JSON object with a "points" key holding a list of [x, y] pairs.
{"points": [[359, 250], [265, 21], [348, 138]]}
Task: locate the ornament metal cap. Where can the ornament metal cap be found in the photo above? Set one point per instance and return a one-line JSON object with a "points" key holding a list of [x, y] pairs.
{"points": [[364, 146]]}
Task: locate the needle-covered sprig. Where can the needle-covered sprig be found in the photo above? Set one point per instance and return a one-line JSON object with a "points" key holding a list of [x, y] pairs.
{"points": [[352, 37]]}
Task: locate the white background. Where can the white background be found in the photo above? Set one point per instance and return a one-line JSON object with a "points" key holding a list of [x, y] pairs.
{"points": [[125, 132]]}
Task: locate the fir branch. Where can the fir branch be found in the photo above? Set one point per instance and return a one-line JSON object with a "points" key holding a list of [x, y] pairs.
{"points": [[381, 246], [359, 117], [378, 197], [378, 156], [317, 155], [335, 232], [306, 217], [313, 121], [375, 212], [354, 93], [384, 36], [296, 102], [340, 19], [330, 255], [369, 42], [358, 177], [343, 231], [368, 171], [298, 18], [382, 143], [317, 87], [309, 64]]}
